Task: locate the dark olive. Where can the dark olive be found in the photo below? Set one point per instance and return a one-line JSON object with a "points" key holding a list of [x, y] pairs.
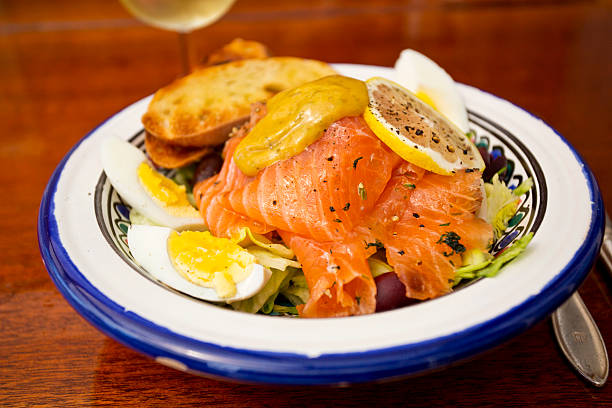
{"points": [[496, 165], [486, 156], [208, 167], [390, 292]]}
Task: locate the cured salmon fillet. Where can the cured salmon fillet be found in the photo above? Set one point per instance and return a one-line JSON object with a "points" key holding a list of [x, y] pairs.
{"points": [[211, 195], [338, 277], [425, 222], [316, 193], [339, 199]]}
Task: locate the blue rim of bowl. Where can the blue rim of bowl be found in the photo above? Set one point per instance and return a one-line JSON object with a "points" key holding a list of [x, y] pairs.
{"points": [[287, 368]]}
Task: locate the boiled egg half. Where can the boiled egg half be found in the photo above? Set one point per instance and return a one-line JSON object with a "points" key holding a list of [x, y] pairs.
{"points": [[151, 193], [197, 263], [433, 85]]}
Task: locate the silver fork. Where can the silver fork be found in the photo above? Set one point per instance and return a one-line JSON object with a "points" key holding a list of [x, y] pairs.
{"points": [[577, 333]]}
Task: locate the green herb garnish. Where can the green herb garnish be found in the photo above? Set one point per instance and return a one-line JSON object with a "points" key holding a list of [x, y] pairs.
{"points": [[356, 161], [452, 240]]}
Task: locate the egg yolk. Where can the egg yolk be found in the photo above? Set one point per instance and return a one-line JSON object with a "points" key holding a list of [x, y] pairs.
{"points": [[165, 192], [209, 261]]}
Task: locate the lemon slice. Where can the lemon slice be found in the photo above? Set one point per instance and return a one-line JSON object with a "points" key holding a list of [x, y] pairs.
{"points": [[416, 132]]}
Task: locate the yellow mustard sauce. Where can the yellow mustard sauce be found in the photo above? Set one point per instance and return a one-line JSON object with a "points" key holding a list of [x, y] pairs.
{"points": [[296, 118]]}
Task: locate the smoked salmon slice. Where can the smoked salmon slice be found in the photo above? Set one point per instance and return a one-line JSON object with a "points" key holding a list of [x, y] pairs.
{"points": [[338, 277], [321, 192], [338, 200], [426, 221]]}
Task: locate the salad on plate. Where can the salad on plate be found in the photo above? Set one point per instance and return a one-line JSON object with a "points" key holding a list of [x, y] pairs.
{"points": [[307, 193]]}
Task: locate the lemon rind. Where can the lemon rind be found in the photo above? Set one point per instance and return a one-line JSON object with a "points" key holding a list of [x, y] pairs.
{"points": [[419, 155]]}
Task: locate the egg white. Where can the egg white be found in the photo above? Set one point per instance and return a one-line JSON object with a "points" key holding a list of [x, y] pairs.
{"points": [[120, 161], [149, 247], [416, 72]]}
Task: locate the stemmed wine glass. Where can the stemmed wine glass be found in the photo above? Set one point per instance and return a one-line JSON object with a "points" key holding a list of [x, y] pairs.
{"points": [[182, 16]]}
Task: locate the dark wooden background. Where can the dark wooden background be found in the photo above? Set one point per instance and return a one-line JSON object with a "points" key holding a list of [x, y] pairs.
{"points": [[67, 65]]}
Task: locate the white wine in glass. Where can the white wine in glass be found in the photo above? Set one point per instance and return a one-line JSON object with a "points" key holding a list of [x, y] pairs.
{"points": [[182, 16]]}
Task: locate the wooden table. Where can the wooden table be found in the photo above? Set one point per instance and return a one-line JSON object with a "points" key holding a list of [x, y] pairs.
{"points": [[67, 65]]}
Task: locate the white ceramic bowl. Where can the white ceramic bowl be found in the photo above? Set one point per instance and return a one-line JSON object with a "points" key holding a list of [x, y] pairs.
{"points": [[82, 225]]}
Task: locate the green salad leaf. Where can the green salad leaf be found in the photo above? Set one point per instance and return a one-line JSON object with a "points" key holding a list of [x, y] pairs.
{"points": [[184, 175], [501, 205], [266, 296], [508, 255], [489, 266], [289, 283], [296, 291], [137, 218], [524, 187], [502, 202], [284, 310], [378, 267], [271, 260], [247, 238]]}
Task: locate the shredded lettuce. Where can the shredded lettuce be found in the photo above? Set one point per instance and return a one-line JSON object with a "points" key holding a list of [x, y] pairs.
{"points": [[268, 292], [472, 260], [378, 267], [290, 283], [508, 255], [184, 175], [287, 279], [271, 260], [475, 256], [284, 310], [297, 291], [136, 218], [524, 187], [502, 203], [268, 307], [491, 266], [247, 238]]}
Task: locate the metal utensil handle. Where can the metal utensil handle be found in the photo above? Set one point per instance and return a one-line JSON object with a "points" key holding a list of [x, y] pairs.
{"points": [[581, 341], [606, 246]]}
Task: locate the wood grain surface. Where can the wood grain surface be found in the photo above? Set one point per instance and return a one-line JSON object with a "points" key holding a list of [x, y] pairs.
{"points": [[67, 65]]}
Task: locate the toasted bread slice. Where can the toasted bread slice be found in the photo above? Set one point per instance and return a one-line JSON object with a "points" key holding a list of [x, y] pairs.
{"points": [[172, 156], [238, 49], [201, 108]]}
